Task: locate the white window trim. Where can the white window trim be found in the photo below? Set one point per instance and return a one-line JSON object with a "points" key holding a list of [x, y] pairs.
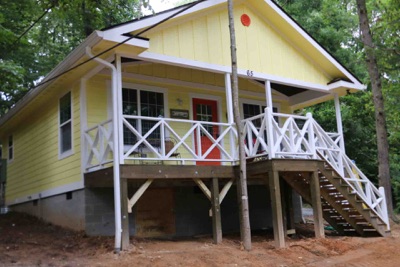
{"points": [[148, 88], [68, 153], [142, 87]]}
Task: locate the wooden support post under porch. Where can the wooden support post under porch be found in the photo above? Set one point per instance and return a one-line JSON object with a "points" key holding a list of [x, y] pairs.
{"points": [[214, 195], [273, 181], [317, 206], [268, 170]]}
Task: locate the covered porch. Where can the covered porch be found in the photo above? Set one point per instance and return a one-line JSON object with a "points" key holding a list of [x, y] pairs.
{"points": [[193, 144]]}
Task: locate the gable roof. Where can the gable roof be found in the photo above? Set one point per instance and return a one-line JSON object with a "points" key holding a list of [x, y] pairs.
{"points": [[268, 8], [139, 28]]}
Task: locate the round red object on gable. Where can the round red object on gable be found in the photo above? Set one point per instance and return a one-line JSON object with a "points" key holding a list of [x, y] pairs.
{"points": [[245, 19]]}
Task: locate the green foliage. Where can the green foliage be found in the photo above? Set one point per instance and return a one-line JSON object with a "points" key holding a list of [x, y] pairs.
{"points": [[334, 24], [26, 60]]}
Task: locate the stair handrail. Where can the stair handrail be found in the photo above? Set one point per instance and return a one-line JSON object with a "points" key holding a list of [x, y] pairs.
{"points": [[330, 151]]}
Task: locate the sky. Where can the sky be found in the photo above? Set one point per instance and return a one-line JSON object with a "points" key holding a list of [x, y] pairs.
{"points": [[160, 5]]}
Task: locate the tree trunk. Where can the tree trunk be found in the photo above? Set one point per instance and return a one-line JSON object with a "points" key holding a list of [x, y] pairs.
{"points": [[380, 120], [245, 231]]}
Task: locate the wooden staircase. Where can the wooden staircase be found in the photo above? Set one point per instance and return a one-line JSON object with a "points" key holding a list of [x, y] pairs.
{"points": [[342, 208]]}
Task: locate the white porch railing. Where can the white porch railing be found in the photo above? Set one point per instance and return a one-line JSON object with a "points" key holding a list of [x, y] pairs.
{"points": [[269, 135], [99, 146], [179, 140], [302, 137]]}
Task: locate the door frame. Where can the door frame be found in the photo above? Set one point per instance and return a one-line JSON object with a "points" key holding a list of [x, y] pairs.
{"points": [[218, 99]]}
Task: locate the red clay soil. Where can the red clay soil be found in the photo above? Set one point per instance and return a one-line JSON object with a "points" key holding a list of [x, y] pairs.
{"points": [[27, 241]]}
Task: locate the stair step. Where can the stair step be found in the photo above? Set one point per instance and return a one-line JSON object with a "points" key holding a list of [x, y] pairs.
{"points": [[370, 230]]}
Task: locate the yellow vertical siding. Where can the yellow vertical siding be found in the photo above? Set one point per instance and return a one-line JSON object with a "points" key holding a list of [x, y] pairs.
{"points": [[36, 166], [260, 47], [97, 100]]}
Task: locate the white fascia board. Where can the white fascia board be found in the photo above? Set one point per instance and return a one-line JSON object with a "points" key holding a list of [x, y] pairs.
{"points": [[313, 42], [341, 84], [119, 38], [71, 59], [151, 20], [282, 80]]}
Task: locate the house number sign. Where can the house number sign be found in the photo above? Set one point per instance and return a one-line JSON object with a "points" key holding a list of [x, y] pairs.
{"points": [[250, 73], [180, 114]]}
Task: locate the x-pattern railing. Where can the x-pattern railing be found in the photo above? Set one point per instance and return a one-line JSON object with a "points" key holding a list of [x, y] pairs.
{"points": [[189, 139], [293, 137], [99, 145]]}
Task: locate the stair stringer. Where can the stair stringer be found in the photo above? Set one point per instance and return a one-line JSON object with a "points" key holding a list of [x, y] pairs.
{"points": [[301, 184], [355, 201]]}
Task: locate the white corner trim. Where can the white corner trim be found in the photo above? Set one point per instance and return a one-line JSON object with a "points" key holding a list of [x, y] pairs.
{"points": [[47, 193]]}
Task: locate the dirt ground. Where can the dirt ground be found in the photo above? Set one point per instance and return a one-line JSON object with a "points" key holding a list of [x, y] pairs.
{"points": [[27, 241]]}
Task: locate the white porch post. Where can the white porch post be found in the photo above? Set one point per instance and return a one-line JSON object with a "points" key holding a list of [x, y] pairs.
{"points": [[269, 118], [229, 111], [119, 108], [268, 94], [339, 122]]}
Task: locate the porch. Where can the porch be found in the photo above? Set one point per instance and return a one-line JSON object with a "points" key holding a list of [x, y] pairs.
{"points": [[278, 147]]}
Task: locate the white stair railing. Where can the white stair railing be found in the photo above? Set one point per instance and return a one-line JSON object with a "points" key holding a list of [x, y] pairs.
{"points": [[302, 137]]}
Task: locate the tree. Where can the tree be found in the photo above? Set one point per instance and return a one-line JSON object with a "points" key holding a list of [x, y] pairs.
{"points": [[335, 25], [24, 60], [245, 230], [380, 119]]}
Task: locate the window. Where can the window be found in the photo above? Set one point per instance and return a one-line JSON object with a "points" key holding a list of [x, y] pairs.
{"points": [[65, 124], [251, 110], [10, 148], [141, 103]]}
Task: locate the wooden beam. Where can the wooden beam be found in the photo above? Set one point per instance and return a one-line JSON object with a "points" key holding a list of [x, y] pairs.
{"points": [[316, 204], [138, 194], [203, 188], [176, 172], [225, 190], [276, 205], [216, 212], [124, 214]]}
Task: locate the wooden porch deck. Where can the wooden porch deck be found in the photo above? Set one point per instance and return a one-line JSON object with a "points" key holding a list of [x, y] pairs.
{"points": [[255, 170]]}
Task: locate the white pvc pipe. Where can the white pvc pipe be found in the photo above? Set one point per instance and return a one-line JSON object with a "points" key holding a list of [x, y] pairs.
{"points": [[116, 167]]}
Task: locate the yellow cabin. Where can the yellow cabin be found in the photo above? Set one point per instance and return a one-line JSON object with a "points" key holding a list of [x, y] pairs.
{"points": [[139, 138]]}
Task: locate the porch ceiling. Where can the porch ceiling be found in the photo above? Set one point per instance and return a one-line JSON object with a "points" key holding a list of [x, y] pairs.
{"points": [[285, 89]]}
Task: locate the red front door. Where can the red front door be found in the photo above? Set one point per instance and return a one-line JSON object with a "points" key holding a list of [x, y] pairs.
{"points": [[206, 110]]}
